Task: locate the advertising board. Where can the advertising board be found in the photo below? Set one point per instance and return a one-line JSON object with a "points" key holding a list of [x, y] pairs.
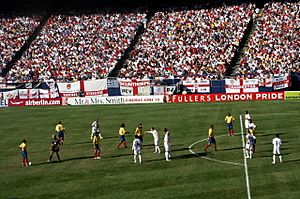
{"points": [[35, 102], [115, 100], [226, 97], [292, 95]]}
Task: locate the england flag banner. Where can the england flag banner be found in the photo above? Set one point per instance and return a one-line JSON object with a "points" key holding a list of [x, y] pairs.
{"points": [[47, 93], [199, 86], [266, 82], [134, 87], [68, 89], [95, 88], [280, 82], [241, 85], [28, 93]]}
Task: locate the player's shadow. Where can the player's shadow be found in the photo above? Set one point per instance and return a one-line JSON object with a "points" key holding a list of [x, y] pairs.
{"points": [[187, 156], [182, 149], [119, 155], [295, 160], [232, 148], [84, 142], [270, 143], [64, 160], [271, 151], [267, 134], [110, 137]]}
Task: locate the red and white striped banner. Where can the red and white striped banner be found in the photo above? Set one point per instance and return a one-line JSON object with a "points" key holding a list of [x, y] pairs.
{"points": [[241, 85], [200, 86], [134, 87], [281, 82]]}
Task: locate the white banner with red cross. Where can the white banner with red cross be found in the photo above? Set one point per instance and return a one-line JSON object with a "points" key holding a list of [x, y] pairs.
{"points": [[94, 87], [28, 93], [13, 94], [241, 85], [135, 87], [68, 89], [87, 88]]}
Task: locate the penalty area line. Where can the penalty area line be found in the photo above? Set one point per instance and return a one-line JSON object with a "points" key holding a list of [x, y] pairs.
{"points": [[212, 159], [245, 160]]}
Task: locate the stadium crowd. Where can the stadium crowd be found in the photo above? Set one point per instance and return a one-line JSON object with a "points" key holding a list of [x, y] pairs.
{"points": [[81, 46], [198, 42], [14, 32], [182, 42], [274, 46]]}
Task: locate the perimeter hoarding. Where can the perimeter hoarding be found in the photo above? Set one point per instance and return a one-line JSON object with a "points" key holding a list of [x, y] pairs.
{"points": [[292, 95], [35, 102], [226, 97], [114, 100]]}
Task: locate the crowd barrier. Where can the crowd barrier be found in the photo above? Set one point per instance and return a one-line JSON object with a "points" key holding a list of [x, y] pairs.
{"points": [[188, 98]]}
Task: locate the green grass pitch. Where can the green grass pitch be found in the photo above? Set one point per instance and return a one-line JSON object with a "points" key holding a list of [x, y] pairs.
{"points": [[116, 176]]}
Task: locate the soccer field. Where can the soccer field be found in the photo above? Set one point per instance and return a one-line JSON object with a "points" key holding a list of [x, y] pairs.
{"points": [[216, 174]]}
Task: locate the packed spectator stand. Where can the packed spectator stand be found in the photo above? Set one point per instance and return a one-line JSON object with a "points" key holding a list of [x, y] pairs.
{"points": [[81, 46], [273, 48], [176, 42], [14, 32], [197, 42]]}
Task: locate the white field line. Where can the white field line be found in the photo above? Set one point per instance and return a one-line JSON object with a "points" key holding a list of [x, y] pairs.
{"points": [[212, 159], [245, 160]]}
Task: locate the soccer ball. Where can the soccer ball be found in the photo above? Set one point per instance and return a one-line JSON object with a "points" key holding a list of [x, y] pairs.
{"points": [[29, 163]]}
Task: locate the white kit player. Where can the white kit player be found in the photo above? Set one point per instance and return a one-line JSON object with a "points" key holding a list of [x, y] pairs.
{"points": [[137, 149], [250, 145], [247, 120], [96, 129], [155, 134], [251, 125], [167, 144], [276, 148]]}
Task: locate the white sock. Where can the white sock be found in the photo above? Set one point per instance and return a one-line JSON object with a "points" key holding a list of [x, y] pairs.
{"points": [[280, 158], [140, 158], [251, 154], [274, 158], [167, 155], [134, 158], [158, 149], [247, 153]]}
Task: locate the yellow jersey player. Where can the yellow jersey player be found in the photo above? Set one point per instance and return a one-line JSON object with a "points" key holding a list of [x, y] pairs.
{"points": [[211, 138], [23, 148], [139, 132], [96, 143], [229, 119], [122, 133], [60, 130]]}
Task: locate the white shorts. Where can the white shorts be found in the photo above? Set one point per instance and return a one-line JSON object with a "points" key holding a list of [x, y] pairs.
{"points": [[276, 151], [247, 146], [156, 142], [137, 152], [167, 147], [247, 124]]}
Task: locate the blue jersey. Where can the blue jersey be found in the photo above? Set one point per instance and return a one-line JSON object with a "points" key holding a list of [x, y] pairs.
{"points": [[251, 140]]}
